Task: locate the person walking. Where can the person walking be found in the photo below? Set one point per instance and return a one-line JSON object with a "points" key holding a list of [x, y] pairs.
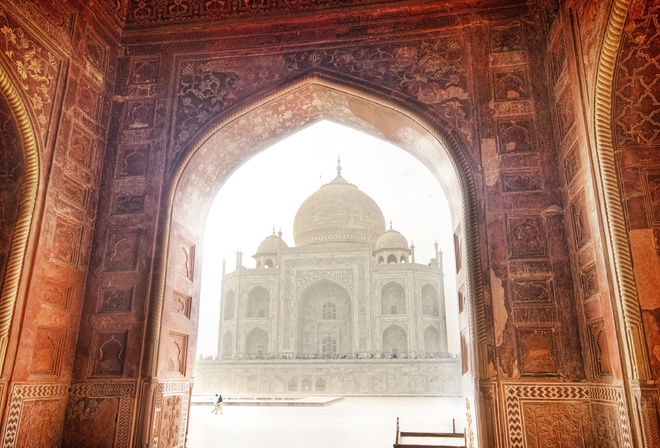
{"points": [[218, 405]]}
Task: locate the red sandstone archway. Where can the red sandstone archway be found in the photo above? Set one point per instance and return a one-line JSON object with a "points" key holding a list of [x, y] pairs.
{"points": [[225, 145]]}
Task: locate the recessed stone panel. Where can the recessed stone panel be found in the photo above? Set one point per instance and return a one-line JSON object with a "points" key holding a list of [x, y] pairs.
{"points": [[57, 294], [526, 236], [653, 195], [89, 99], [572, 164], [184, 258], [74, 192], [177, 353], [139, 114], [47, 351], [537, 351], [81, 147], [506, 38], [532, 291], [599, 348], [580, 221], [96, 51], [511, 84], [181, 304], [67, 240], [519, 181], [128, 204], [516, 136], [589, 282], [109, 353], [133, 161], [115, 300], [122, 250], [144, 71]]}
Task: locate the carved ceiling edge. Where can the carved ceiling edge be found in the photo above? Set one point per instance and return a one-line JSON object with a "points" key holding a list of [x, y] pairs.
{"points": [[455, 153], [16, 259], [635, 355]]}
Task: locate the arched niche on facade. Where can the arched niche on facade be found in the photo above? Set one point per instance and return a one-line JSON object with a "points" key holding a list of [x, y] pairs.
{"points": [[256, 343], [317, 305], [393, 299], [430, 305], [229, 306], [258, 305], [432, 340], [232, 138], [227, 344], [395, 340]]}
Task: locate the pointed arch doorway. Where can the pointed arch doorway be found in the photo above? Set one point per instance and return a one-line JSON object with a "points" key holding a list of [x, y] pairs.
{"points": [[237, 136]]}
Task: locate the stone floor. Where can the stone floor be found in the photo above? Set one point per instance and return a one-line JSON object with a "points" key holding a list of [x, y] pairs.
{"points": [[365, 422]]}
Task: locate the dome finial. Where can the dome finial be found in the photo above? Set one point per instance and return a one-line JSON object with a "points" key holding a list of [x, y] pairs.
{"points": [[390, 224], [338, 165], [273, 230]]}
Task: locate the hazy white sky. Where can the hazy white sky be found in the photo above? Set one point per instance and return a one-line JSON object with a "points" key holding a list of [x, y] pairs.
{"points": [[268, 189]]}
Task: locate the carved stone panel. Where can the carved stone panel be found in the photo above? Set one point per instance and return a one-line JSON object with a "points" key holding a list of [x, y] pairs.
{"points": [[532, 291], [57, 294], [102, 409], [81, 148], [109, 353], [565, 111], [128, 204], [177, 353], [115, 300], [35, 427], [139, 114], [537, 351], [526, 236], [653, 195], [89, 99], [74, 192], [519, 181], [96, 51], [181, 304], [572, 164], [511, 84], [506, 38], [516, 136], [144, 71], [579, 219], [67, 240], [47, 351], [589, 282], [184, 258], [606, 425], [599, 348], [122, 250], [557, 424], [133, 161]]}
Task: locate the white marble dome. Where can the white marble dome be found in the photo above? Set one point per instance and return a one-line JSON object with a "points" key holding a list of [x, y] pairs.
{"points": [[270, 244], [391, 239], [338, 213]]}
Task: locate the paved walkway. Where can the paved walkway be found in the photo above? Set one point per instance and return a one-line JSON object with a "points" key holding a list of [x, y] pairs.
{"points": [[368, 422]]}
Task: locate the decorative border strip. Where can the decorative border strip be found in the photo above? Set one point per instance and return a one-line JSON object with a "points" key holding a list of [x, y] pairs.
{"points": [[20, 393], [16, 258], [125, 392]]}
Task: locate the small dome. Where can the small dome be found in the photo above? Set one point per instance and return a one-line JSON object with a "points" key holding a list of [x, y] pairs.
{"points": [[338, 213], [392, 240], [270, 245]]}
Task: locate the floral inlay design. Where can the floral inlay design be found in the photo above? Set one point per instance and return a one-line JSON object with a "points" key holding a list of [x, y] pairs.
{"points": [[36, 69]]}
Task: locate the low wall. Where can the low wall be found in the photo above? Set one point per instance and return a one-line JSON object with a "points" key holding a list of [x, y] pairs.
{"points": [[330, 377]]}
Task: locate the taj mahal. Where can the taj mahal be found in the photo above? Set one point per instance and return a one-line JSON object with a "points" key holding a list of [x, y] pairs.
{"points": [[347, 310]]}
